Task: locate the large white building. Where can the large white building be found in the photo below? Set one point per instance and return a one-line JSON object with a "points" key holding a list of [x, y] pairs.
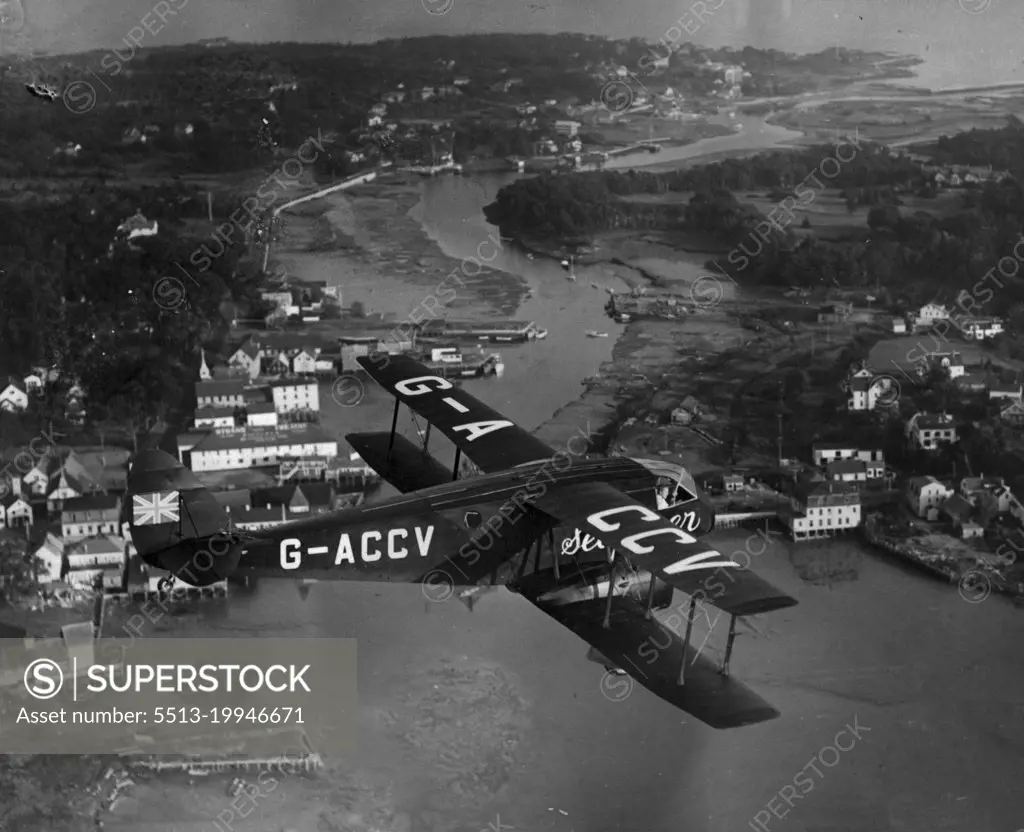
{"points": [[253, 447], [295, 394], [820, 509]]}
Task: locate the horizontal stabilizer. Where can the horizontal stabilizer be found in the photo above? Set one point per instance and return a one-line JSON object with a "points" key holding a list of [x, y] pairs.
{"points": [[401, 463], [654, 656]]}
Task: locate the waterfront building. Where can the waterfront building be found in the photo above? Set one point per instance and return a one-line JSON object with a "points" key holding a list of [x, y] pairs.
{"points": [[925, 496], [820, 509], [252, 447]]}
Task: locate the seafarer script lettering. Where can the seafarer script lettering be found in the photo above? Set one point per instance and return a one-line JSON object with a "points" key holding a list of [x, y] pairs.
{"points": [[370, 547], [580, 542]]}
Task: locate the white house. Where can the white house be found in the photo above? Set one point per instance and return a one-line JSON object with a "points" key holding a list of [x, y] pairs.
{"points": [[247, 356], [925, 496], [866, 393], [50, 554], [304, 362], [15, 512], [929, 430], [96, 552], [13, 395], [899, 326], [295, 394], [930, 313]]}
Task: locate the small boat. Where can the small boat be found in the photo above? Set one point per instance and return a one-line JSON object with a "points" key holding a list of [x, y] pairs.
{"points": [[572, 277], [541, 334], [592, 334], [529, 256], [595, 285]]}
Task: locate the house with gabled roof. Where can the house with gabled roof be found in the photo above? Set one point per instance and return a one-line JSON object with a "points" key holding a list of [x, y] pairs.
{"points": [[1013, 414], [13, 395], [304, 498], [15, 512], [50, 554], [925, 496], [247, 356], [961, 514]]}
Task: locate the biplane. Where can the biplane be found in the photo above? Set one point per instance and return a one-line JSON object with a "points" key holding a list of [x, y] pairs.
{"points": [[610, 539]]}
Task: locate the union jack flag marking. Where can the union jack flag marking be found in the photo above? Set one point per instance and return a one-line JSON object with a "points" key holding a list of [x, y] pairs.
{"points": [[154, 509]]}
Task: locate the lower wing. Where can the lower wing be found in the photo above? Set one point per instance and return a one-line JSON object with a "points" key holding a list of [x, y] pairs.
{"points": [[652, 654]]}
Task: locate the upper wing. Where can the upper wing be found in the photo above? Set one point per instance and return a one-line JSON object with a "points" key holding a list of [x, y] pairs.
{"points": [[630, 528], [488, 439]]}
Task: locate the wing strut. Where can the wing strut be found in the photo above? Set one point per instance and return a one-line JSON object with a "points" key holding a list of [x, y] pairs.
{"points": [[686, 639], [554, 555], [611, 589], [724, 670], [394, 429], [455, 467]]}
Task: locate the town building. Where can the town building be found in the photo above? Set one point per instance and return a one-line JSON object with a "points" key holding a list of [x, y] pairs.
{"points": [[847, 470], [971, 383], [247, 356], [50, 555], [1007, 392], [1013, 414], [295, 395], [88, 516], [899, 326], [226, 393], [215, 417], [960, 513], [252, 447], [980, 328], [979, 490], [15, 512], [260, 414], [925, 496], [305, 498], [13, 395], [867, 392], [820, 509], [930, 314], [928, 431], [951, 363]]}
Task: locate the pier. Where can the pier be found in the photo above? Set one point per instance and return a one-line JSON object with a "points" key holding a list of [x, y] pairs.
{"points": [[493, 331]]}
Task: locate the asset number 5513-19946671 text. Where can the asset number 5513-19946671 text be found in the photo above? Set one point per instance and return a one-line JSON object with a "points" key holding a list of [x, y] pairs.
{"points": [[228, 716]]}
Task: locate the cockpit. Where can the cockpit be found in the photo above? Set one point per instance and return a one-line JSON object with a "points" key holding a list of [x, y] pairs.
{"points": [[672, 481]]}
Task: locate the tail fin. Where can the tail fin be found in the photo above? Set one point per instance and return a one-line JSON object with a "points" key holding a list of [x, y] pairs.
{"points": [[176, 523]]}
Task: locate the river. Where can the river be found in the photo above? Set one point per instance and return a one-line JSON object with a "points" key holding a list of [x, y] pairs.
{"points": [[934, 682]]}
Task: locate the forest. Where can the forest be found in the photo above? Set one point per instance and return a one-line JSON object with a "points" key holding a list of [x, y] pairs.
{"points": [[913, 253], [96, 309]]}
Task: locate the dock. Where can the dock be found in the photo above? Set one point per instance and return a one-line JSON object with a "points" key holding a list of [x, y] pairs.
{"points": [[489, 331]]}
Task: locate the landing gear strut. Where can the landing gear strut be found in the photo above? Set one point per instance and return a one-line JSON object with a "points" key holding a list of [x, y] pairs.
{"points": [[165, 585]]}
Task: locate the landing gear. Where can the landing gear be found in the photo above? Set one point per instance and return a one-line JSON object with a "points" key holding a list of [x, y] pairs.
{"points": [[165, 585]]}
